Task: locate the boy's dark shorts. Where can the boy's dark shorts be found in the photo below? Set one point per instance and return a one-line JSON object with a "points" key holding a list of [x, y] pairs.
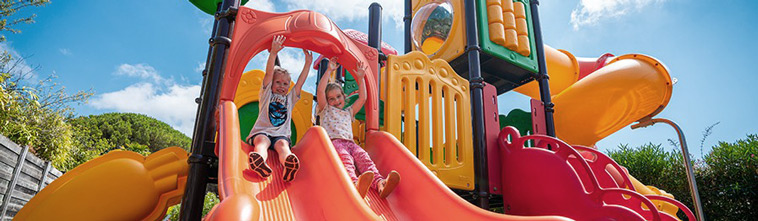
{"points": [[271, 138]]}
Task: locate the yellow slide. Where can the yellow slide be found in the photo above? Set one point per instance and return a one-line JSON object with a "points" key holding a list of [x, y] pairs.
{"points": [[626, 89], [120, 185]]}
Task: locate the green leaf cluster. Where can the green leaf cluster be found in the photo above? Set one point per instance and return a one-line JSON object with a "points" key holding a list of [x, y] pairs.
{"points": [[727, 177], [210, 200], [98, 134]]}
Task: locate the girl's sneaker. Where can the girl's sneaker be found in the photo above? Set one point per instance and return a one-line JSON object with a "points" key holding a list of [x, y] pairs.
{"points": [[364, 183], [386, 186], [291, 165], [258, 164]]}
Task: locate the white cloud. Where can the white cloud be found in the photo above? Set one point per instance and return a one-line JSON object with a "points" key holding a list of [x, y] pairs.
{"points": [[200, 66], [174, 105], [143, 71], [590, 12], [263, 5], [65, 51], [20, 66], [350, 10]]}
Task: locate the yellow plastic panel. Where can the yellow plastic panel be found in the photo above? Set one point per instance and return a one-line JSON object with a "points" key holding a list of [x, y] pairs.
{"points": [[249, 89], [415, 87], [456, 41], [120, 185]]}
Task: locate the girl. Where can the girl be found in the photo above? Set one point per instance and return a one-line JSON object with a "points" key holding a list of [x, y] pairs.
{"points": [[336, 120]]}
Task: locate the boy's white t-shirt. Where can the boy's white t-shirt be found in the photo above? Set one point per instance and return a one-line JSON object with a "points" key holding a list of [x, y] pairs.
{"points": [[275, 113]]}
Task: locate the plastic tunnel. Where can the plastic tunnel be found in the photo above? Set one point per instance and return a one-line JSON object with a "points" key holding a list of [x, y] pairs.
{"points": [[595, 99]]}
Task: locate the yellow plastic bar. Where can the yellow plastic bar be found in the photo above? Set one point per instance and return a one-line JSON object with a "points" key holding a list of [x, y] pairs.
{"points": [[120, 185], [429, 97], [250, 86]]}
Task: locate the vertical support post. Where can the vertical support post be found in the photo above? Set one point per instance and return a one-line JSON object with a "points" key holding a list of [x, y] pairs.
{"points": [[407, 20], [13, 181], [375, 39], [542, 76], [203, 144], [44, 176], [322, 66], [477, 105]]}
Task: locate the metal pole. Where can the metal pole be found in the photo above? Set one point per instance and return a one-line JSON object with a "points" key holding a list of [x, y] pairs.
{"points": [[407, 21], [477, 105], [202, 155], [542, 76], [375, 39], [686, 154]]}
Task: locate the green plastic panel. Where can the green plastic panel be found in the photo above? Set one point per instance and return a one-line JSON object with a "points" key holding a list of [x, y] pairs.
{"points": [[528, 63], [248, 114], [519, 119], [210, 6], [351, 86]]}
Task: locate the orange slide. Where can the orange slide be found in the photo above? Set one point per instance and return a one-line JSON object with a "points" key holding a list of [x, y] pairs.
{"points": [[322, 189]]}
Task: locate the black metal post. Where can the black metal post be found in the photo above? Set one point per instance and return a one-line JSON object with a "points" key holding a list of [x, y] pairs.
{"points": [[322, 66], [407, 21], [202, 155], [542, 76], [477, 105], [375, 38]]}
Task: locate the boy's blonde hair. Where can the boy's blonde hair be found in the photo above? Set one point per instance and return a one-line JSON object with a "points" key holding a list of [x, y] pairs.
{"points": [[334, 86], [281, 72]]}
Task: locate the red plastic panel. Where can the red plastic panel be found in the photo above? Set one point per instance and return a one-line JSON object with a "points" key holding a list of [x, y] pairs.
{"points": [[540, 182], [491, 130], [255, 29], [538, 117]]}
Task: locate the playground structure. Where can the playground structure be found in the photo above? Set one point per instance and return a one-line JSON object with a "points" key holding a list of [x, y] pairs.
{"points": [[415, 121]]}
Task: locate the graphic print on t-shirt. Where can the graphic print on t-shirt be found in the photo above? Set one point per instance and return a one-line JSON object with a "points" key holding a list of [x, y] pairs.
{"points": [[277, 110]]}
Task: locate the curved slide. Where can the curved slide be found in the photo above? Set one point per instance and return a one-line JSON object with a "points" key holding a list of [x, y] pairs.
{"points": [[323, 191], [594, 99]]}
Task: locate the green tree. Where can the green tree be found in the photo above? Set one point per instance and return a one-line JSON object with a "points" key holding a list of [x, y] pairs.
{"points": [[95, 135], [8, 10], [729, 185]]}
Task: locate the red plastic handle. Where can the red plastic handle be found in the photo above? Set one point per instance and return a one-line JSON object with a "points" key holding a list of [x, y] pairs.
{"points": [[640, 199], [687, 211], [603, 160]]}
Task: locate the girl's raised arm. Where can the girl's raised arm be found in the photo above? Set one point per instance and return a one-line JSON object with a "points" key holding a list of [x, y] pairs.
{"points": [[360, 72], [321, 90]]}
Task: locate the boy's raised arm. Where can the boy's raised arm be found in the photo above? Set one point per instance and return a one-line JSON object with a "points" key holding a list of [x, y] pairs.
{"points": [[276, 46], [360, 72], [321, 89], [304, 73]]}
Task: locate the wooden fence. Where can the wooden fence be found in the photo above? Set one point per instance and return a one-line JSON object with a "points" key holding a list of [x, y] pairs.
{"points": [[22, 175]]}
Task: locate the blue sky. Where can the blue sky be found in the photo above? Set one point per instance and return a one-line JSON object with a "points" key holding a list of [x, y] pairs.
{"points": [[147, 58]]}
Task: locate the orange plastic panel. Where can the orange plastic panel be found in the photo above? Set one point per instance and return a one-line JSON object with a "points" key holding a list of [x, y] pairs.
{"points": [[249, 87], [507, 5], [456, 41], [120, 185], [518, 10], [497, 33], [254, 30], [415, 86]]}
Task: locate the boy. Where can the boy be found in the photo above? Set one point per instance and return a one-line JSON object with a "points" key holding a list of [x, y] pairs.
{"points": [[272, 129]]}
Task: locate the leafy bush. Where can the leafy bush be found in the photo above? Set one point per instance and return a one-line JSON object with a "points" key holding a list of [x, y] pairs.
{"points": [[727, 177], [729, 185], [210, 200], [98, 134]]}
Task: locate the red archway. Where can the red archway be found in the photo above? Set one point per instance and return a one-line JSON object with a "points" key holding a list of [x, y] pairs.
{"points": [[309, 30]]}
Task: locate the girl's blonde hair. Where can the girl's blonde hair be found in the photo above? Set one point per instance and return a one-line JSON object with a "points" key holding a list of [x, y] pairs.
{"points": [[334, 86], [281, 72]]}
